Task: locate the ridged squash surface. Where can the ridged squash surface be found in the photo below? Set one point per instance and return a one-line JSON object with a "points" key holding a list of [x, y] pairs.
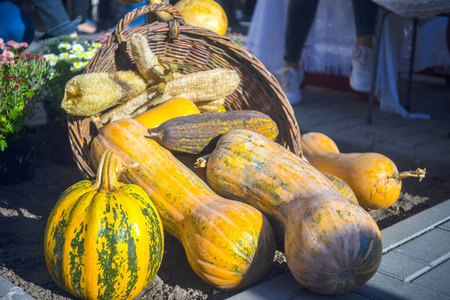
{"points": [[332, 245], [228, 244]]}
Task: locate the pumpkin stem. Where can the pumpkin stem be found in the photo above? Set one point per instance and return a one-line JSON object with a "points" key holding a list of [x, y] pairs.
{"points": [[201, 161], [108, 170], [152, 134], [420, 173]]}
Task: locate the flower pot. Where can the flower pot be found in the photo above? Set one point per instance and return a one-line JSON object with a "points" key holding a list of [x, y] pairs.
{"points": [[17, 162]]}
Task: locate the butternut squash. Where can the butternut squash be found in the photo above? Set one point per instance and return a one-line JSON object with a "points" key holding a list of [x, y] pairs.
{"points": [[175, 107], [331, 244], [373, 177], [228, 244]]}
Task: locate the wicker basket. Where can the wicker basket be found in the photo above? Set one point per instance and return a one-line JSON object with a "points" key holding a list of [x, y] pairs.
{"points": [[201, 49]]}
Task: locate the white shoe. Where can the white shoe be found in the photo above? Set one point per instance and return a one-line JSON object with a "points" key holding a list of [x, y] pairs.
{"points": [[290, 81], [362, 65]]}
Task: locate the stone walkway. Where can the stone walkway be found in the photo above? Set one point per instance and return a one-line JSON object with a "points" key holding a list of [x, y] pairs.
{"points": [[415, 265]]}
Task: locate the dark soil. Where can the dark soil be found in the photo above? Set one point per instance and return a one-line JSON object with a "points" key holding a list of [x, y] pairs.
{"points": [[24, 209]]}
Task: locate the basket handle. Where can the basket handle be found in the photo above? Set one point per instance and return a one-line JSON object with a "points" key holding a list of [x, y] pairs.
{"points": [[143, 10]]}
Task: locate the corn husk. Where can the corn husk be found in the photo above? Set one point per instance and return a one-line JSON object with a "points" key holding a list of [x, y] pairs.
{"points": [[128, 109], [146, 62], [212, 105], [89, 94], [203, 85]]}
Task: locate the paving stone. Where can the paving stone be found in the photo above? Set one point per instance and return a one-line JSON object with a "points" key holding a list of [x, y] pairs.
{"points": [[445, 226], [348, 296], [442, 207], [438, 281], [427, 247], [421, 221], [384, 287], [282, 287], [286, 287], [9, 291], [399, 266]]}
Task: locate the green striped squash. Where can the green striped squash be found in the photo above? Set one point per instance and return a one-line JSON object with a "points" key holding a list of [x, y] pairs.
{"points": [[332, 245], [104, 239], [342, 186]]}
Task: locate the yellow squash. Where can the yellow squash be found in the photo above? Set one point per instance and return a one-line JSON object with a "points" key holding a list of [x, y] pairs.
{"points": [[373, 177], [175, 107], [228, 244], [332, 245]]}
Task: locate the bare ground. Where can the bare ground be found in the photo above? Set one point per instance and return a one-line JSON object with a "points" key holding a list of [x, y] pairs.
{"points": [[24, 209]]}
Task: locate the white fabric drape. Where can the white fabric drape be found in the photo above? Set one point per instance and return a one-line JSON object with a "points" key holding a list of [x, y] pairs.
{"points": [[332, 39]]}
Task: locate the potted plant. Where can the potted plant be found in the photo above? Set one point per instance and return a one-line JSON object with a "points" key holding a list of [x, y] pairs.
{"points": [[68, 57], [22, 76]]}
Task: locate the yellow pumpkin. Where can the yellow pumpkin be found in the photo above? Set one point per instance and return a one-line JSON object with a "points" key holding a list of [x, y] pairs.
{"points": [[104, 239], [204, 13]]}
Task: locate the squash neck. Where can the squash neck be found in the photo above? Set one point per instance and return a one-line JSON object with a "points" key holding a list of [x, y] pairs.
{"points": [[107, 173]]}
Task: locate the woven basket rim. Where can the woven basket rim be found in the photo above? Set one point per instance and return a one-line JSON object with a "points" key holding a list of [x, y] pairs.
{"points": [[80, 133]]}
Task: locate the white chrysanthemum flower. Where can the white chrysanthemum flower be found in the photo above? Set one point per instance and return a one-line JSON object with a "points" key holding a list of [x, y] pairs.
{"points": [[64, 56], [72, 57], [88, 55], [96, 45], [78, 65], [65, 46], [51, 58], [77, 48]]}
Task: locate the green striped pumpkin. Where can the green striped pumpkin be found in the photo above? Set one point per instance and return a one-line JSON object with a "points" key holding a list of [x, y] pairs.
{"points": [[104, 239]]}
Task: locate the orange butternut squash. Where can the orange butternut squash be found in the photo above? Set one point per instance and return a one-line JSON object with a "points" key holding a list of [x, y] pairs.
{"points": [[228, 244], [331, 244], [175, 107], [373, 177]]}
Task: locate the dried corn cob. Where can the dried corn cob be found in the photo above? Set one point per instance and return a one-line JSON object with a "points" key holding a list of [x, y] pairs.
{"points": [[129, 109], [203, 86], [146, 62], [89, 94], [212, 105]]}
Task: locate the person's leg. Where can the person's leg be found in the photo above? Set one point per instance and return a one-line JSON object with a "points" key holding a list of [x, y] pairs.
{"points": [[365, 15], [81, 8], [300, 18], [55, 18], [301, 14]]}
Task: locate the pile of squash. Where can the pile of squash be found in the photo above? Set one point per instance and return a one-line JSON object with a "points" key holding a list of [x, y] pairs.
{"points": [[221, 184]]}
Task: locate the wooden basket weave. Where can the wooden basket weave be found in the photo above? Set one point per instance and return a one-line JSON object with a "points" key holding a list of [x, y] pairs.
{"points": [[200, 49]]}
